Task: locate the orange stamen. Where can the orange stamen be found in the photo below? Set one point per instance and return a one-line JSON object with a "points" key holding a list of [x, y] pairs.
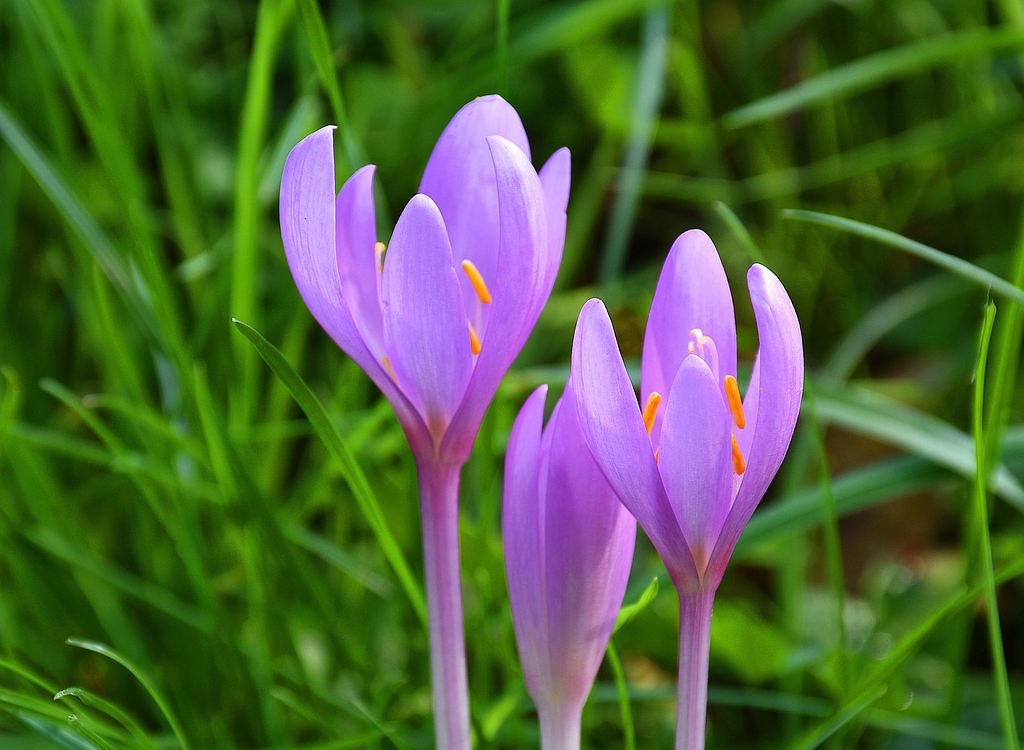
{"points": [[474, 340], [651, 410], [738, 464], [477, 281], [732, 396], [378, 255], [386, 361]]}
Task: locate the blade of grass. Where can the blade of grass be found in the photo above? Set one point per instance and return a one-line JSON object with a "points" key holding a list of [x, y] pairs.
{"points": [[650, 78], [980, 510], [320, 49], [874, 70], [871, 414], [1006, 357], [949, 262], [905, 647], [142, 678], [739, 230], [622, 687], [629, 611], [833, 548], [353, 474], [272, 18]]}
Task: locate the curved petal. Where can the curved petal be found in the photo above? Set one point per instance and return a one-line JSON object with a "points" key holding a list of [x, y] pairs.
{"points": [[779, 386], [555, 176], [589, 538], [695, 456], [307, 215], [692, 292], [522, 526], [460, 179], [425, 329], [518, 293], [613, 428], [356, 224]]}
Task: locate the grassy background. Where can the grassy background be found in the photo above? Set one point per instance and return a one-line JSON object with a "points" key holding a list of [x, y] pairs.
{"points": [[163, 498]]}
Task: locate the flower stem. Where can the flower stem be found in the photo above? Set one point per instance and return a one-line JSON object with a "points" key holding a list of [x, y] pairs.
{"points": [[560, 727], [694, 642], [439, 511]]}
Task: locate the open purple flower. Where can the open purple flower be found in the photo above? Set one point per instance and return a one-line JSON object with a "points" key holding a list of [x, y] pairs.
{"points": [[435, 319], [568, 550], [692, 472]]}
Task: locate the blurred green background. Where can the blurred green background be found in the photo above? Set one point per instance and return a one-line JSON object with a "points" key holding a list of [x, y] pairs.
{"points": [[163, 498]]}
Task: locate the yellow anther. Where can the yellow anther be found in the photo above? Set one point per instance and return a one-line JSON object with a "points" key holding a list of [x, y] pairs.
{"points": [[651, 410], [386, 361], [474, 340], [696, 333], [690, 348], [656, 456], [477, 281], [732, 396], [738, 464], [378, 255]]}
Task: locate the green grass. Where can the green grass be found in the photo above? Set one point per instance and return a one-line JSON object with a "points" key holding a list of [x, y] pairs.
{"points": [[209, 529]]}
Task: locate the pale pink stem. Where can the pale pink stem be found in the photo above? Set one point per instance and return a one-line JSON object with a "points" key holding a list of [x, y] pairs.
{"points": [[439, 511], [694, 642], [560, 727]]}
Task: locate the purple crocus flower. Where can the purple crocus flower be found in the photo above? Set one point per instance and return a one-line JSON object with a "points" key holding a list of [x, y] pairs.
{"points": [[568, 550], [692, 472], [435, 319]]}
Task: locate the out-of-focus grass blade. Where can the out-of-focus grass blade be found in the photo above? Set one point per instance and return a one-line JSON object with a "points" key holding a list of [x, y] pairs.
{"points": [[980, 512], [112, 710], [271, 20], [739, 230], [142, 678], [902, 650], [56, 735], [68, 205], [883, 317], [353, 474], [959, 266], [826, 729], [50, 541], [874, 70], [630, 611], [650, 77], [622, 688], [852, 491], [337, 557], [320, 49], [548, 30], [891, 422]]}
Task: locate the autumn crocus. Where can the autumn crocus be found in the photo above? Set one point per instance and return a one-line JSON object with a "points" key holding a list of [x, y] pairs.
{"points": [[693, 463], [568, 549], [435, 318]]}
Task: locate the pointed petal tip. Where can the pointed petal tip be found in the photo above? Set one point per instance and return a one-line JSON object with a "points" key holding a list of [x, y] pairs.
{"points": [[556, 174]]}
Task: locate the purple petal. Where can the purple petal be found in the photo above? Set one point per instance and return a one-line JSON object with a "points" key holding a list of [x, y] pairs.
{"points": [[425, 329], [613, 427], [517, 292], [692, 292], [779, 387], [307, 214], [356, 237], [460, 178], [555, 177], [695, 456], [589, 537], [522, 526]]}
